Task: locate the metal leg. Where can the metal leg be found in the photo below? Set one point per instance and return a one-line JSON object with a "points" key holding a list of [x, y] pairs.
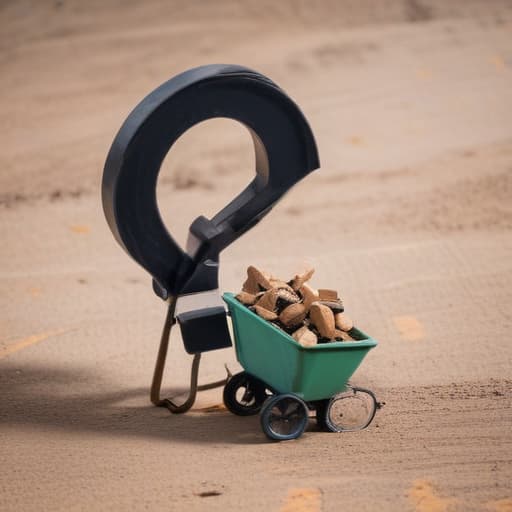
{"points": [[160, 366]]}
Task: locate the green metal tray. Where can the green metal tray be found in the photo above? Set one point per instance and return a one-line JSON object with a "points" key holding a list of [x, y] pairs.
{"points": [[313, 373]]}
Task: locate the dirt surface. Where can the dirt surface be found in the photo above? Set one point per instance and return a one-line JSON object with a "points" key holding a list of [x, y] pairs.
{"points": [[409, 217]]}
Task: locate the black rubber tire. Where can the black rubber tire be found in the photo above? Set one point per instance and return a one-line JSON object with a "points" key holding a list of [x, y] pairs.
{"points": [[284, 417], [333, 424], [254, 394]]}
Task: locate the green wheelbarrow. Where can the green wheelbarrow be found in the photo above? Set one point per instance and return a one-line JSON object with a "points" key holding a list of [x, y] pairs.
{"points": [[283, 381]]}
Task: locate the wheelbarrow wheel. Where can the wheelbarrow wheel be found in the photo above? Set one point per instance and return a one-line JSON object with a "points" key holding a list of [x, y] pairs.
{"points": [[244, 395], [284, 417], [351, 410]]}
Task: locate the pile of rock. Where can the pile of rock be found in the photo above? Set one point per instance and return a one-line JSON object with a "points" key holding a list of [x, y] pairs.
{"points": [[310, 316]]}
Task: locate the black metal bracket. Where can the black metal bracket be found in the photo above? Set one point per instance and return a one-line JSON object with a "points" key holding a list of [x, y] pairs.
{"points": [[285, 152]]}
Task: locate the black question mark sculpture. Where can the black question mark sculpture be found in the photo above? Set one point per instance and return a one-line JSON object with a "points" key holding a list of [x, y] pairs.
{"points": [[285, 152]]}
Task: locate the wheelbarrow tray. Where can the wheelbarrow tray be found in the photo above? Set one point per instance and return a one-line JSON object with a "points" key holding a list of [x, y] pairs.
{"points": [[270, 354]]}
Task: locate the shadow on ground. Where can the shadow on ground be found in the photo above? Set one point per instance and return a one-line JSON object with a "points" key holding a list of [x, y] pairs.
{"points": [[61, 399]]}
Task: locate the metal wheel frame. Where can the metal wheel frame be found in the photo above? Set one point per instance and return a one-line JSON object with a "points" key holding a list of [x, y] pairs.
{"points": [[156, 384], [330, 424]]}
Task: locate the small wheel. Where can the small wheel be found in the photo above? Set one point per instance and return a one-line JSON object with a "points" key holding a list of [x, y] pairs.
{"points": [[351, 410], [284, 417], [244, 395]]}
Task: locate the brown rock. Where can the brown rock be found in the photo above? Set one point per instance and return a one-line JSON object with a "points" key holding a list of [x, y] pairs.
{"points": [[323, 319], [287, 296], [299, 280], [265, 313], [343, 322], [309, 295], [305, 337], [293, 315], [250, 286], [260, 278], [246, 298], [325, 294], [268, 300], [342, 336], [335, 305], [277, 283]]}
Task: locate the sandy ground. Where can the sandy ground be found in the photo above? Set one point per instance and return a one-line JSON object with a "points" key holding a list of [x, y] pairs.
{"points": [[410, 217]]}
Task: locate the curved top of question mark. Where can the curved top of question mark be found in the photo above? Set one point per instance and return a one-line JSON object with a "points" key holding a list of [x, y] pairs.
{"points": [[285, 152]]}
